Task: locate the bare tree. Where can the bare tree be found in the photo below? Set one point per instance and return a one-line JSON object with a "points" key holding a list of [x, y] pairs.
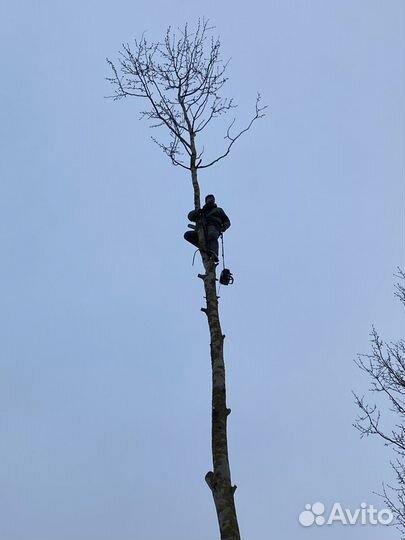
{"points": [[385, 366], [180, 80]]}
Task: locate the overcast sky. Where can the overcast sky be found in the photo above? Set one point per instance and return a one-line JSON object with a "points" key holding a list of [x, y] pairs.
{"points": [[105, 370]]}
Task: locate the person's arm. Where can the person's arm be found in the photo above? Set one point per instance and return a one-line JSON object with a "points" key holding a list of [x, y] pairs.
{"points": [[226, 223]]}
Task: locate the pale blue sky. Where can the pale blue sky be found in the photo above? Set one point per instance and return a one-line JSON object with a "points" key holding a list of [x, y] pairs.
{"points": [[105, 372]]}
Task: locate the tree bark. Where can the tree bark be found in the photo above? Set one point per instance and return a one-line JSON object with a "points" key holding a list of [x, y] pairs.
{"points": [[219, 480]]}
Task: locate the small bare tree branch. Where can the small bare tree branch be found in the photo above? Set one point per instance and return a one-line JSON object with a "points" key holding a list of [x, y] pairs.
{"points": [[259, 114], [385, 367]]}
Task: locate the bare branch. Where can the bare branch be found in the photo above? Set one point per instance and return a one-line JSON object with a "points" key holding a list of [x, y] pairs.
{"points": [[385, 367], [180, 79], [258, 114]]}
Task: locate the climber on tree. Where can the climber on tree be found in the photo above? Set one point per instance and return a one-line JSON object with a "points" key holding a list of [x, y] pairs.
{"points": [[214, 220]]}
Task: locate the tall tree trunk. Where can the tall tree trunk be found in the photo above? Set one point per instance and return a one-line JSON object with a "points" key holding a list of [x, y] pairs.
{"points": [[219, 480]]}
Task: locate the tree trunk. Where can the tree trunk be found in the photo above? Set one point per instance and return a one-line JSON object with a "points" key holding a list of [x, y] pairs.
{"points": [[219, 480]]}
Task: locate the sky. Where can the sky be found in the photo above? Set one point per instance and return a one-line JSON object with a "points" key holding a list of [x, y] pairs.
{"points": [[104, 353]]}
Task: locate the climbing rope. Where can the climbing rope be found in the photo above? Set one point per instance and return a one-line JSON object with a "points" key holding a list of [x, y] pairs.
{"points": [[226, 277], [223, 251], [195, 253]]}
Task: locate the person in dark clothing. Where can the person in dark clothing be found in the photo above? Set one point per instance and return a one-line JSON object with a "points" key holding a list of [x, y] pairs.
{"points": [[214, 221]]}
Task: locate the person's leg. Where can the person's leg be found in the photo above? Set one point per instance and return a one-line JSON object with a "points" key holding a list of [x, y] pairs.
{"points": [[192, 237], [212, 240]]}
